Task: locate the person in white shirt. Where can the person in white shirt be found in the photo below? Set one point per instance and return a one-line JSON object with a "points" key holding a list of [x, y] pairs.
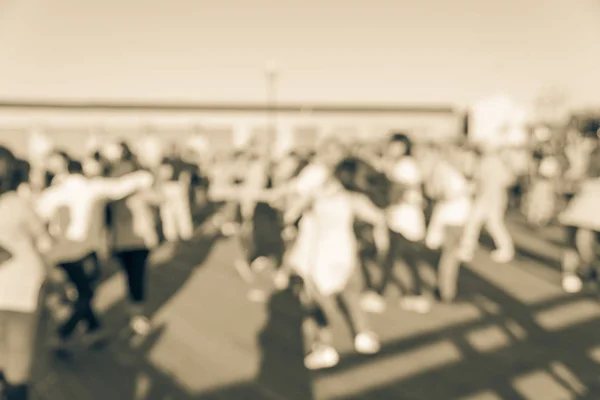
{"points": [[493, 179], [79, 202], [447, 186]]}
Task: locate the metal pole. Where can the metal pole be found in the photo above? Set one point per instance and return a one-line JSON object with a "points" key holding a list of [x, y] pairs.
{"points": [[271, 73]]}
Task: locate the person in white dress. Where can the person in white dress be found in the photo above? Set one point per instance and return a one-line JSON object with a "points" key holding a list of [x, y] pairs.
{"points": [[325, 254]]}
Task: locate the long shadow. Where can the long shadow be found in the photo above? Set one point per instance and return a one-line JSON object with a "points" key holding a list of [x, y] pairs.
{"points": [[525, 348], [493, 370], [282, 374]]}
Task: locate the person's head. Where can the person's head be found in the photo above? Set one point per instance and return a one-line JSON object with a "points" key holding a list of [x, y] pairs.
{"points": [[399, 145], [113, 151], [330, 151], [8, 170], [345, 172], [57, 163]]}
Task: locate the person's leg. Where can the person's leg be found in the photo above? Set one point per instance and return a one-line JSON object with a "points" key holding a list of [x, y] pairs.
{"points": [[388, 275], [408, 263], [449, 264], [82, 308], [167, 211], [319, 310], [134, 263], [183, 212], [496, 226], [472, 231], [20, 331], [365, 341]]}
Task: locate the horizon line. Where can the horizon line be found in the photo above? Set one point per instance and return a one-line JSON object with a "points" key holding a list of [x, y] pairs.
{"points": [[250, 107]]}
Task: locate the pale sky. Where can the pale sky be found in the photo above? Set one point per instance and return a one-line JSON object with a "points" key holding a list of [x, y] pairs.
{"points": [[376, 51]]}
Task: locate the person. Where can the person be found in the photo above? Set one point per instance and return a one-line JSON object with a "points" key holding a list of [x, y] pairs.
{"points": [[582, 226], [325, 253], [77, 203], [451, 194], [22, 275], [493, 178], [331, 272], [135, 229], [406, 220], [175, 210]]}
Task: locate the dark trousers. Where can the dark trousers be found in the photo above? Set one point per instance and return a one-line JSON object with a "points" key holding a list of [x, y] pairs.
{"points": [[134, 262], [407, 279], [82, 309]]}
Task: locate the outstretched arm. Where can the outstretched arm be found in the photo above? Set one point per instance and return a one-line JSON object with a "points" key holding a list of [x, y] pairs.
{"points": [[118, 188]]}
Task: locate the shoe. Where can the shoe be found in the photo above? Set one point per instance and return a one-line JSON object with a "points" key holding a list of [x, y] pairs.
{"points": [[571, 283], [140, 325], [502, 256], [321, 357], [367, 343], [259, 264], [418, 304], [373, 302]]}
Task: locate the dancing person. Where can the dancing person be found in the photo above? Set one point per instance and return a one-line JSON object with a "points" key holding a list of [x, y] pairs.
{"points": [[329, 263], [134, 229], [406, 220], [77, 202], [175, 210], [451, 193], [493, 179], [23, 271]]}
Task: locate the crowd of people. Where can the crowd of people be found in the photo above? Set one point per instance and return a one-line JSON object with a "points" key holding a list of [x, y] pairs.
{"points": [[322, 222]]}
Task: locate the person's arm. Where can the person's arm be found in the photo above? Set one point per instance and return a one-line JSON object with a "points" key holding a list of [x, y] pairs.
{"points": [[49, 200], [296, 208], [365, 210], [119, 188]]}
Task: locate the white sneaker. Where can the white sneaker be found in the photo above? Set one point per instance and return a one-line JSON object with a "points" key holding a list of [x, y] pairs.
{"points": [[322, 357], [372, 302], [367, 343], [572, 283], [502, 256], [418, 304], [140, 325], [259, 264]]}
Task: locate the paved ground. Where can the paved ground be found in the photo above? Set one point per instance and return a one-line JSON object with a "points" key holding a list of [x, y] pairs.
{"points": [[512, 335]]}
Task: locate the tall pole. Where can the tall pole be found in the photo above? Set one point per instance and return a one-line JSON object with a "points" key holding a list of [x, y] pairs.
{"points": [[272, 76]]}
